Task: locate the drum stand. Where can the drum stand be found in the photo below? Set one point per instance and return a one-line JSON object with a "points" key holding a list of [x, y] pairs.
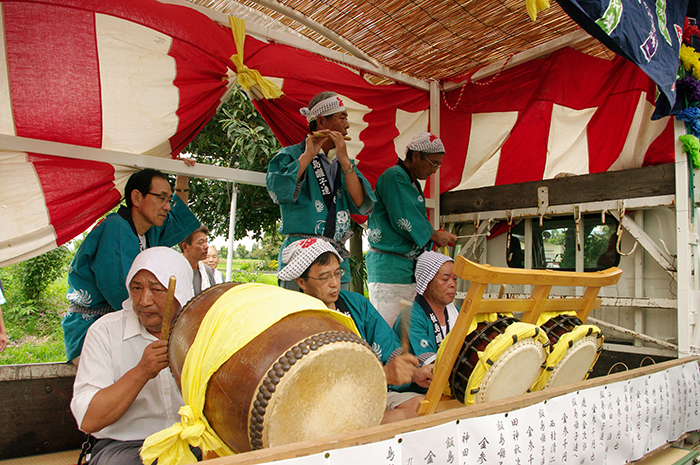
{"points": [[539, 301]]}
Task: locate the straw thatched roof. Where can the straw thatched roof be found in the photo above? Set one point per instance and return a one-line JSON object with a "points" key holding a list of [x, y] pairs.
{"points": [[424, 39]]}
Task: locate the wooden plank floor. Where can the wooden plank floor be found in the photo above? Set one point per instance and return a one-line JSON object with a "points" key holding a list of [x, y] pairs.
{"points": [[69, 457]]}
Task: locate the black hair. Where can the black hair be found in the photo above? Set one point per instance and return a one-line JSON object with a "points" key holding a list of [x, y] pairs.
{"points": [[141, 181], [323, 260]]}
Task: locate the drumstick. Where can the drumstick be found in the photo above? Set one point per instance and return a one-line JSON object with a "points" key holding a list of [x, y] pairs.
{"points": [[169, 298], [321, 134], [405, 326]]}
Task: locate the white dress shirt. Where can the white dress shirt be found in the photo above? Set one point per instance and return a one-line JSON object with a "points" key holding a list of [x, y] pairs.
{"points": [[113, 346]]}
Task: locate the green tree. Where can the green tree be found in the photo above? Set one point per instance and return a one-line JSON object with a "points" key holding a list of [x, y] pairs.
{"points": [[36, 274], [241, 251], [236, 137]]}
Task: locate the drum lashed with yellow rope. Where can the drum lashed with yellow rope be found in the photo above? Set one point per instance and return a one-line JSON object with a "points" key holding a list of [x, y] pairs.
{"points": [[573, 350], [500, 358], [304, 377]]}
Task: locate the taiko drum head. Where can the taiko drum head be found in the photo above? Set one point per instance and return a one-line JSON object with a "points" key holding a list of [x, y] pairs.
{"points": [[574, 350], [499, 359]]}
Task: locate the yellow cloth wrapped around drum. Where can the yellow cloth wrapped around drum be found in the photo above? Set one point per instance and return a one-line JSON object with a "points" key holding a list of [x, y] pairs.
{"points": [[501, 357], [574, 349], [261, 366]]}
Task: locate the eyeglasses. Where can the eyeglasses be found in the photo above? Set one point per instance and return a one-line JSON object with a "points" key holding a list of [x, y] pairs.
{"points": [[163, 198], [326, 276], [432, 163]]}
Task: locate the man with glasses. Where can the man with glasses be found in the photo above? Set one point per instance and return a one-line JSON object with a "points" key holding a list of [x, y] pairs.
{"points": [[151, 217], [398, 230], [315, 265], [316, 184]]}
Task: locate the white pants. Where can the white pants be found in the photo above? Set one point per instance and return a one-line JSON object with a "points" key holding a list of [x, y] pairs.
{"points": [[386, 298]]}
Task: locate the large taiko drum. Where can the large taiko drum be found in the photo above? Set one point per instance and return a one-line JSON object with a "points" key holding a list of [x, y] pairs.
{"points": [[573, 351], [306, 376], [499, 359]]}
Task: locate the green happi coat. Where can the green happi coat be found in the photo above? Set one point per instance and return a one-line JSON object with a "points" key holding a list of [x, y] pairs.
{"points": [[301, 204], [399, 224]]}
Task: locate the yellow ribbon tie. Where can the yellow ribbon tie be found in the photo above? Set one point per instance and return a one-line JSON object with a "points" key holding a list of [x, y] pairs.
{"points": [[249, 79], [171, 446], [535, 6]]}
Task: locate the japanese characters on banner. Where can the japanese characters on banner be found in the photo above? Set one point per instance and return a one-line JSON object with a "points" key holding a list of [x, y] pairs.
{"points": [[609, 424]]}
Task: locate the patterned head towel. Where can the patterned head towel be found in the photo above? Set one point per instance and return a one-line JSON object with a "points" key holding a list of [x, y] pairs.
{"points": [[326, 107], [427, 266], [301, 254], [426, 143]]}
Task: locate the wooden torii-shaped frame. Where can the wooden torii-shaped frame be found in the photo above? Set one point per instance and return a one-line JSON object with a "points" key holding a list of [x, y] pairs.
{"points": [[539, 301]]}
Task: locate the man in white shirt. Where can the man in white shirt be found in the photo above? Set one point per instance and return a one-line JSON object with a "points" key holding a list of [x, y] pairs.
{"points": [[123, 391]]}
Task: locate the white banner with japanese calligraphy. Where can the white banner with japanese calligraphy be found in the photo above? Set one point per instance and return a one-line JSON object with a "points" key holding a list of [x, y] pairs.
{"points": [[609, 424]]}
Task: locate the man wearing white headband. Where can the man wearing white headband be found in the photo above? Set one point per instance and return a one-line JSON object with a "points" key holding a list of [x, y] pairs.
{"points": [[399, 230], [316, 183], [315, 266], [433, 314], [123, 391]]}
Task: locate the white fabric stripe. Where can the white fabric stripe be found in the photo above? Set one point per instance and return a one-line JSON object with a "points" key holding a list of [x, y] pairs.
{"points": [[489, 131], [409, 124], [7, 120], [643, 131], [567, 146], [356, 117], [139, 100], [26, 230]]}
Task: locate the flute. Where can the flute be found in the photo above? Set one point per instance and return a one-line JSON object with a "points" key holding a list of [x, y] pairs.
{"points": [[321, 134]]}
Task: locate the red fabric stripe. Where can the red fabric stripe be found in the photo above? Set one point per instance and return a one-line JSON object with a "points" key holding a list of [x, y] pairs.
{"points": [[77, 192], [524, 154], [453, 123], [662, 149], [53, 73]]}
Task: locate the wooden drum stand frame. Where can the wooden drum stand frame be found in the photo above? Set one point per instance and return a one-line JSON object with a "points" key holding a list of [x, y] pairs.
{"points": [[539, 301]]}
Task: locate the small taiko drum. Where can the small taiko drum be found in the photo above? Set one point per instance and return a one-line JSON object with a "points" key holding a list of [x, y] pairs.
{"points": [[574, 349], [499, 359], [306, 376]]}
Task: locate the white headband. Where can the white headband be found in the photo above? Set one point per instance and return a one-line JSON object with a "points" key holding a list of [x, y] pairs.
{"points": [[426, 143], [326, 107], [301, 254]]}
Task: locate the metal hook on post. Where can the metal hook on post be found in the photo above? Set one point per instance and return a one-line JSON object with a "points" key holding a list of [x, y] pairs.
{"points": [[477, 223], [577, 219], [621, 212], [509, 219]]}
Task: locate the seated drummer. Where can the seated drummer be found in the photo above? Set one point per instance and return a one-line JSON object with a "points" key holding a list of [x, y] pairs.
{"points": [[433, 314], [315, 266], [123, 391]]}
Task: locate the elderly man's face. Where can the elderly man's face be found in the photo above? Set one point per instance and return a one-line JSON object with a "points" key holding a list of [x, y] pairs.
{"points": [[212, 260], [148, 296], [443, 287]]}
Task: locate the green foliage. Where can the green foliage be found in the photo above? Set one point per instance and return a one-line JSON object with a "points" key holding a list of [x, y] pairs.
{"points": [[237, 137], [37, 273], [33, 326]]}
